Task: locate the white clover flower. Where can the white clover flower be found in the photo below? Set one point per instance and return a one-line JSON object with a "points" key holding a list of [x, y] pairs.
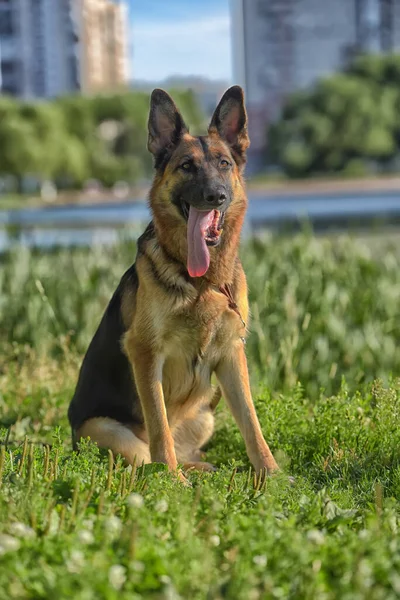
{"points": [[54, 522], [8, 544], [316, 536], [117, 576], [316, 566], [137, 566], [86, 537], [161, 506], [135, 500], [260, 560], [215, 540], [88, 524], [21, 530], [113, 525], [75, 562]]}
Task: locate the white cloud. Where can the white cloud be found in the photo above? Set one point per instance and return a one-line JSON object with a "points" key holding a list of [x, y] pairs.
{"points": [[195, 47]]}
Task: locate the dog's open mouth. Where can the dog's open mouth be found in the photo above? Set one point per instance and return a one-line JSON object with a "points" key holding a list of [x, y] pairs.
{"points": [[212, 234], [204, 228]]}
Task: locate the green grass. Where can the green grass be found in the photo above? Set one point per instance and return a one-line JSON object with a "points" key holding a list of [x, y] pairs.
{"points": [[324, 360]]}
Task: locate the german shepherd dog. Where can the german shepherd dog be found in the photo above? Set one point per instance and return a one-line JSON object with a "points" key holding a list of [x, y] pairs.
{"points": [[180, 312]]}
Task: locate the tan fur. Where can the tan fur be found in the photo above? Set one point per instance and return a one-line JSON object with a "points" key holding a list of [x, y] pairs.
{"points": [[189, 437], [108, 433]]}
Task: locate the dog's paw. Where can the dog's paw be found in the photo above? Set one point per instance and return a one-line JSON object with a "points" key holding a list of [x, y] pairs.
{"points": [[183, 480], [268, 467]]}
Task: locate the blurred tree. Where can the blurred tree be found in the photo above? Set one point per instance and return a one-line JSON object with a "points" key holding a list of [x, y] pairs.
{"points": [[19, 145], [77, 137], [349, 118], [47, 126]]}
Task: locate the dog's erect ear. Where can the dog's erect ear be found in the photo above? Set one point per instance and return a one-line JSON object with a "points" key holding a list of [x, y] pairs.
{"points": [[230, 122], [166, 125]]}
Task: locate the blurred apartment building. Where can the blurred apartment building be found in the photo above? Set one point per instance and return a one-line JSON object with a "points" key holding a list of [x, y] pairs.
{"points": [[54, 47], [104, 48], [280, 46]]}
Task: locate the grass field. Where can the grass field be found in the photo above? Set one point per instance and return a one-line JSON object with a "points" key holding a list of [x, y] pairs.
{"points": [[324, 359]]}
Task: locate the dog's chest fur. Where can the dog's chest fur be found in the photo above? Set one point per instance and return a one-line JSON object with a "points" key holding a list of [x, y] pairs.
{"points": [[190, 332], [193, 341]]}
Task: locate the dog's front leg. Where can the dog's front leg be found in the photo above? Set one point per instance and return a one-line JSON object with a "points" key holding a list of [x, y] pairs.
{"points": [[233, 377], [147, 369]]}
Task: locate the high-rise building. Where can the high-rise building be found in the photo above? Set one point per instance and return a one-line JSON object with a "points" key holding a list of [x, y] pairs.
{"points": [[53, 47], [280, 46], [104, 48], [38, 48]]}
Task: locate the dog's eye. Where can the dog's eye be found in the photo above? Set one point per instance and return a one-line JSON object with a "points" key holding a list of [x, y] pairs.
{"points": [[224, 163], [186, 166]]}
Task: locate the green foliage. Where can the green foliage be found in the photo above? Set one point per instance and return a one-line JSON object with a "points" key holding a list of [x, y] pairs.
{"points": [[351, 116], [19, 147], [75, 138], [321, 308], [77, 525]]}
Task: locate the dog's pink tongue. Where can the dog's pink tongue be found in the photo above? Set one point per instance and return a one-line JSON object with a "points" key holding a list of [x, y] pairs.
{"points": [[198, 255]]}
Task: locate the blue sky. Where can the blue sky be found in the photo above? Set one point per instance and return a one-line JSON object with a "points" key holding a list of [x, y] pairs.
{"points": [[180, 37]]}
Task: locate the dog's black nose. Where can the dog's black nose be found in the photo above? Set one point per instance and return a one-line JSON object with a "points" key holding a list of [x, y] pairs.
{"points": [[216, 198]]}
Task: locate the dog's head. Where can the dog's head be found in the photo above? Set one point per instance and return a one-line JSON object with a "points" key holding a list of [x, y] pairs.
{"points": [[198, 185]]}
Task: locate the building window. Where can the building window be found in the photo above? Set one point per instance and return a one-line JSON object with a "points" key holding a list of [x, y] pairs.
{"points": [[387, 16], [10, 77], [38, 58], [6, 22]]}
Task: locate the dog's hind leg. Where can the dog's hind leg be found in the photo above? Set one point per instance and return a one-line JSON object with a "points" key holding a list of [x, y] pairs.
{"points": [[119, 438], [190, 436]]}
